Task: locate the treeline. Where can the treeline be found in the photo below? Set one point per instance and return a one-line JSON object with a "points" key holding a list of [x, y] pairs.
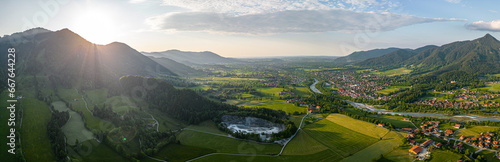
{"points": [[106, 113], [153, 141], [182, 104], [56, 136]]}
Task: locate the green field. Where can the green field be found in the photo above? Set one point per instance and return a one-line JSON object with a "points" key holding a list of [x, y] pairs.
{"points": [[120, 104], [96, 97], [4, 128], [303, 144], [391, 89], [301, 91], [343, 142], [366, 128], [93, 123], [389, 142], [271, 104], [397, 123], [393, 72], [475, 131], [326, 155], [91, 150], [34, 137], [166, 122], [270, 92], [224, 144], [400, 154], [441, 156], [74, 128], [207, 126], [489, 156], [493, 87], [176, 152]]}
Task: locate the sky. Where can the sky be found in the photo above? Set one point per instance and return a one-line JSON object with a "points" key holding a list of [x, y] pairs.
{"points": [[260, 28]]}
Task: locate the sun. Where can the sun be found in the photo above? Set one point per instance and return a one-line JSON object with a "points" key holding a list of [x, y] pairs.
{"points": [[96, 26]]}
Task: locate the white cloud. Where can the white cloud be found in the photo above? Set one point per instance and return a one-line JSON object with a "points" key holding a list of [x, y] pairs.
{"points": [[493, 26], [453, 1], [243, 7], [288, 21], [136, 1]]}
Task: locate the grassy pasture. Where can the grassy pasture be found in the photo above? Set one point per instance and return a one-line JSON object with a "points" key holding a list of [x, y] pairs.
{"points": [[400, 154], [74, 128], [303, 144], [441, 156], [34, 137], [492, 87], [391, 89], [91, 150], [398, 71], [475, 131], [179, 153], [224, 144], [366, 128], [343, 142], [389, 142]]}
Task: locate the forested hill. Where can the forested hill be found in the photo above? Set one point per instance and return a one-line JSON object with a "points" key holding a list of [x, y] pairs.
{"points": [[187, 105], [69, 59], [478, 56], [363, 55], [192, 58], [177, 68]]}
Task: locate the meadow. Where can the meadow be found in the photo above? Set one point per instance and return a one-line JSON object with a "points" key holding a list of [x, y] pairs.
{"points": [[366, 128], [388, 143], [303, 144], [74, 128], [391, 89], [180, 153], [4, 128], [225, 144], [475, 131], [92, 150], [492, 87], [440, 156], [34, 136], [394, 72], [400, 154]]}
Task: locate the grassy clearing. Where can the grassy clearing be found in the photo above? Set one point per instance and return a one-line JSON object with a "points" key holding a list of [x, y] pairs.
{"points": [[225, 144], [74, 128], [343, 142], [303, 144], [475, 131], [321, 156], [176, 152], [397, 123], [493, 87], [440, 156], [121, 104], [207, 126], [366, 128], [34, 137], [200, 87], [91, 150], [301, 91], [489, 156], [167, 123], [96, 97], [391, 89], [286, 107], [398, 71], [389, 142], [270, 91], [91, 121], [400, 154]]}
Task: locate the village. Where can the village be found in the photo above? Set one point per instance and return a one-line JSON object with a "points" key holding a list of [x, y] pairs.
{"points": [[464, 99], [486, 140]]}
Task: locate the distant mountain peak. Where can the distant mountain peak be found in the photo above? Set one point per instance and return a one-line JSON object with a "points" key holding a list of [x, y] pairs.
{"points": [[488, 37]]}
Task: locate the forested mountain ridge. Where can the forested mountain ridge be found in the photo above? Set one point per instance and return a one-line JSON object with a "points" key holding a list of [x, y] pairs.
{"points": [[67, 58], [363, 55], [191, 58], [479, 56]]}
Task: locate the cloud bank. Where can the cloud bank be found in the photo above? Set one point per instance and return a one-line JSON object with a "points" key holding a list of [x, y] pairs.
{"points": [[493, 26], [287, 21]]}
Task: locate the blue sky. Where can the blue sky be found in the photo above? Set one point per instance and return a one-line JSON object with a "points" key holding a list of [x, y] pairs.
{"points": [[257, 28]]}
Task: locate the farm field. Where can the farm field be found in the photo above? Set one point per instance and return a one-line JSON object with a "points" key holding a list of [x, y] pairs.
{"points": [[120, 104], [270, 92], [92, 150], [34, 136], [391, 89], [475, 131], [492, 87], [207, 126], [301, 91], [343, 142], [303, 144], [440, 156], [180, 153], [73, 129], [400, 154], [271, 104], [397, 123], [388, 143], [489, 156], [92, 122], [365, 128], [224, 144], [326, 155], [398, 71]]}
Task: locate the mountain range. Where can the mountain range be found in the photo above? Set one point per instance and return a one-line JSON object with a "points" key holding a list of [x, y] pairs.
{"points": [[481, 55], [191, 58]]}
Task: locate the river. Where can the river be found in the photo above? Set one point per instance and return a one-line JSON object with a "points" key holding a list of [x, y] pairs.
{"points": [[382, 111]]}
